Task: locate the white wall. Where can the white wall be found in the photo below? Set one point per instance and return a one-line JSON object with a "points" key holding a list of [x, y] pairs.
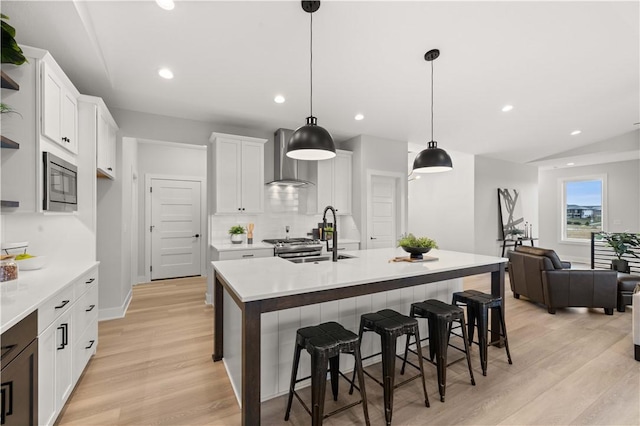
{"points": [[489, 175], [622, 208], [441, 205]]}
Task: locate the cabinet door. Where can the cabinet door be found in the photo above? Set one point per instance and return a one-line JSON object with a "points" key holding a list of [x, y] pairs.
{"points": [[252, 177], [105, 146], [47, 375], [63, 355], [342, 183], [51, 105], [69, 122], [20, 387], [228, 166], [111, 149]]}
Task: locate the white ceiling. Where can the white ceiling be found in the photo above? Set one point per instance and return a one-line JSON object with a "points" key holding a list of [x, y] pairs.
{"points": [[563, 65]]}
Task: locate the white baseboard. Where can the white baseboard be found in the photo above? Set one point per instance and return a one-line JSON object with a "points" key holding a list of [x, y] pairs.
{"points": [[142, 279], [208, 298], [105, 314]]}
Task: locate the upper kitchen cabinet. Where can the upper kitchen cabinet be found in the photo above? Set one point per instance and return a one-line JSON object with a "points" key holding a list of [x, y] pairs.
{"points": [[238, 174], [59, 106], [332, 180], [98, 127]]}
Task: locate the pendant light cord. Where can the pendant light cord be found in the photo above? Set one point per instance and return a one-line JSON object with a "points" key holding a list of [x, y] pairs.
{"points": [[432, 100], [311, 63]]}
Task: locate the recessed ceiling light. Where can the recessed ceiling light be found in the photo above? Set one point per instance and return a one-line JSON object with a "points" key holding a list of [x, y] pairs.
{"points": [[359, 117], [576, 132], [570, 164], [507, 108], [279, 99], [166, 4], [165, 73]]}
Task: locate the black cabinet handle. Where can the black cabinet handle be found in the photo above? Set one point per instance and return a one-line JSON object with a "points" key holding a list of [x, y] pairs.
{"points": [[90, 308], [196, 236], [6, 349], [110, 169], [90, 281], [7, 406], [65, 331], [239, 209], [372, 238], [64, 303], [91, 342], [247, 255]]}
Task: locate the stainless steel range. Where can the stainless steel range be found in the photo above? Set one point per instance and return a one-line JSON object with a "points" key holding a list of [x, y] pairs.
{"points": [[295, 248]]}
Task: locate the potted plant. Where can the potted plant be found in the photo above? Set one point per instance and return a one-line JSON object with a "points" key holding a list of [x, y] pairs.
{"points": [[416, 246], [514, 232], [622, 243], [236, 232], [11, 52]]}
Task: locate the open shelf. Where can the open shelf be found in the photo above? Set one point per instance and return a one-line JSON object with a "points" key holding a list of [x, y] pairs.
{"points": [[8, 143], [8, 82], [7, 203]]}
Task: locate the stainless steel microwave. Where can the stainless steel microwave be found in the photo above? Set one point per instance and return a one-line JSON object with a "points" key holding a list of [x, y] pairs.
{"points": [[60, 184]]}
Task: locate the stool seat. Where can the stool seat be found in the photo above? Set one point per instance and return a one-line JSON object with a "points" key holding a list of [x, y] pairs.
{"points": [[440, 317], [389, 321], [325, 342]]}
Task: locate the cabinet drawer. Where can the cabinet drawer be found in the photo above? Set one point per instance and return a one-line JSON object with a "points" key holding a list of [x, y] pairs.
{"points": [[54, 307], [83, 283], [85, 311], [18, 337], [246, 254], [83, 349]]}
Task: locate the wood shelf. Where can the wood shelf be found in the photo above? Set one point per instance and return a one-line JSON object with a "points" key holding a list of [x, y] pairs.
{"points": [[8, 82], [8, 143], [7, 203]]}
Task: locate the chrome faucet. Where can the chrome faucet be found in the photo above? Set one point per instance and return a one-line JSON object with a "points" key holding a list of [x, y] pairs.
{"points": [[335, 231]]}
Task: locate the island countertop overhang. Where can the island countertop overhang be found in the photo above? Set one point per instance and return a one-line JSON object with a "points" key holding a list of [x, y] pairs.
{"points": [[274, 277]]}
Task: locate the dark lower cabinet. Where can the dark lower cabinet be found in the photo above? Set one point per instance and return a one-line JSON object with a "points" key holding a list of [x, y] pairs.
{"points": [[19, 374]]}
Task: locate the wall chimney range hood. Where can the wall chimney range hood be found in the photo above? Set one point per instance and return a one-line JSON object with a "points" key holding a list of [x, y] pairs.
{"points": [[285, 169]]}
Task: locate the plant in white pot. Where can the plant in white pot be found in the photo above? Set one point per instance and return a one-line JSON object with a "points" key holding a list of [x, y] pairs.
{"points": [[236, 232]]}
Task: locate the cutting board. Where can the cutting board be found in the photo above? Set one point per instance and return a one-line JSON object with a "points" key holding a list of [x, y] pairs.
{"points": [[408, 259]]}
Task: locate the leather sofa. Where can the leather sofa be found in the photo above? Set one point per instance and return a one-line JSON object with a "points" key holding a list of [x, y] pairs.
{"points": [[539, 275]]}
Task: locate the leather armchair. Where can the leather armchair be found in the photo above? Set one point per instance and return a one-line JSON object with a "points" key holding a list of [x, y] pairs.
{"points": [[541, 276]]}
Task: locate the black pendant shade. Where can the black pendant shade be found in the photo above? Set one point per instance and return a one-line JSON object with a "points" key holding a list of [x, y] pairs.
{"points": [[311, 142], [432, 159]]}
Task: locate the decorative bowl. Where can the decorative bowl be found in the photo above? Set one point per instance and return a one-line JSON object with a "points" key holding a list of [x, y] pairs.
{"points": [[416, 252], [32, 263]]}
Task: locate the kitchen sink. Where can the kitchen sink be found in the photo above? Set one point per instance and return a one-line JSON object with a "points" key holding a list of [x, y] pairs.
{"points": [[316, 259]]}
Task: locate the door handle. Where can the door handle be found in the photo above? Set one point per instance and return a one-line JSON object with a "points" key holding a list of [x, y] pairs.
{"points": [[196, 236], [90, 308], [65, 336], [372, 238], [90, 281], [64, 303], [7, 406], [91, 342]]}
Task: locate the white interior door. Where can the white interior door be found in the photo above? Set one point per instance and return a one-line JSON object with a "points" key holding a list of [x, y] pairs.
{"points": [[382, 213], [175, 228]]}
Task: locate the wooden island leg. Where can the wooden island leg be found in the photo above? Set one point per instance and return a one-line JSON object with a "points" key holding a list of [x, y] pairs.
{"points": [[497, 289], [218, 321], [251, 363]]}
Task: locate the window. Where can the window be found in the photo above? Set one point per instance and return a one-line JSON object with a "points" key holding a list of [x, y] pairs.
{"points": [[582, 208]]}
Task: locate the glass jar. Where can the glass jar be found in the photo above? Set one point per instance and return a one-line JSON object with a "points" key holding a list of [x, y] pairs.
{"points": [[8, 268]]}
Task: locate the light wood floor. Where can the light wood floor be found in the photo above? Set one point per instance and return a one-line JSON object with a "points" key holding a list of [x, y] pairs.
{"points": [[155, 367]]}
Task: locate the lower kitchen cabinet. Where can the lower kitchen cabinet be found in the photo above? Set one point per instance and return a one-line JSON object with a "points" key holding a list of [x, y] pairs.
{"points": [[19, 374], [68, 338]]}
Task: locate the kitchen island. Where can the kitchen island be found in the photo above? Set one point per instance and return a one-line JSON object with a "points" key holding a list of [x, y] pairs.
{"points": [[246, 291]]}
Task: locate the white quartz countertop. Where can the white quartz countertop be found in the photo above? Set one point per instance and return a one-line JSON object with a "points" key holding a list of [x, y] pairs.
{"points": [[227, 245], [270, 277], [18, 298]]}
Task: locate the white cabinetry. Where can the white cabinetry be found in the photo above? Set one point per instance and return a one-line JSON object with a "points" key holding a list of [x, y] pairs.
{"points": [[59, 106], [238, 174], [98, 126], [64, 322], [248, 253], [333, 185]]}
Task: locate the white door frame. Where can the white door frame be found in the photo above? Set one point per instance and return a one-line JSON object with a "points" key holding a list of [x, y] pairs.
{"points": [[401, 203], [148, 177]]}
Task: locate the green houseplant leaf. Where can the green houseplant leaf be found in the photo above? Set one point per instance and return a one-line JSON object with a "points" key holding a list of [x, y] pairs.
{"points": [[236, 229], [11, 52], [621, 242]]}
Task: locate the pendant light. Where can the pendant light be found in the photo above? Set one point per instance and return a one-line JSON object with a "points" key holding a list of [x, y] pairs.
{"points": [[311, 142], [432, 159]]}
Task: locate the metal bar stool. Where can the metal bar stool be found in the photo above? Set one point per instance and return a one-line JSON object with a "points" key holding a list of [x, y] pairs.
{"points": [[390, 325], [325, 342], [478, 305], [440, 317]]}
